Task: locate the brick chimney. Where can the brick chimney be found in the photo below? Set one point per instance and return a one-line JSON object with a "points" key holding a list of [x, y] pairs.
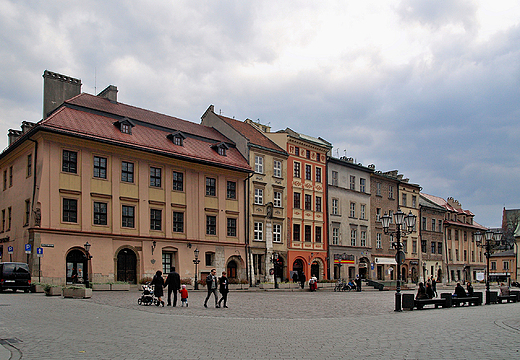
{"points": [[57, 89], [109, 93]]}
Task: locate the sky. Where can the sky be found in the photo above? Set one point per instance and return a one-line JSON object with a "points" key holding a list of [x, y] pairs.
{"points": [[429, 88]]}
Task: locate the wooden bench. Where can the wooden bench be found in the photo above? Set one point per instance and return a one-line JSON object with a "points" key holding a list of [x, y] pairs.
{"points": [[420, 303], [471, 300], [508, 298]]}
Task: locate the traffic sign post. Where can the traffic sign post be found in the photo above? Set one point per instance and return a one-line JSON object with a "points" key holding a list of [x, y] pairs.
{"points": [[10, 251], [39, 253]]}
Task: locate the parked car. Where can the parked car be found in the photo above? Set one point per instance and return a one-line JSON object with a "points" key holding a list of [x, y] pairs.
{"points": [[14, 276]]}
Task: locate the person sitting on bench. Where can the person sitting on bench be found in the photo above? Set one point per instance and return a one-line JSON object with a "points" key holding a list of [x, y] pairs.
{"points": [[421, 292], [459, 291], [504, 290]]}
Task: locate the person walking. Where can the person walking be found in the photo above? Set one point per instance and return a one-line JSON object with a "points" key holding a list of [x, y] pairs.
{"points": [[434, 286], [184, 296], [429, 291], [158, 283], [211, 284], [223, 289], [358, 283], [302, 279], [173, 281]]}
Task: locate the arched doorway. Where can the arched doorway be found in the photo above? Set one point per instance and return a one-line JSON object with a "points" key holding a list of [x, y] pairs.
{"points": [[278, 270], [363, 268], [232, 269], [315, 269], [126, 266], [439, 276], [77, 267], [298, 267]]}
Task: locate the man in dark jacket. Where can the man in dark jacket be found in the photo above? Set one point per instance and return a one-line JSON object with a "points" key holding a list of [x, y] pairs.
{"points": [[173, 281], [224, 288], [459, 291], [211, 284]]}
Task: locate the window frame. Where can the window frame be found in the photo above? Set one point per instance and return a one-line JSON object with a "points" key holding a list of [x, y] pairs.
{"points": [[211, 225], [155, 177], [178, 222], [277, 168], [100, 213], [126, 217], [231, 227], [100, 167], [69, 165], [259, 164], [155, 219], [177, 181], [127, 175], [231, 190], [211, 186], [69, 212]]}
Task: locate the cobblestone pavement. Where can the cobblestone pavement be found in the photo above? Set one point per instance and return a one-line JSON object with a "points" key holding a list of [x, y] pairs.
{"points": [[257, 325]]}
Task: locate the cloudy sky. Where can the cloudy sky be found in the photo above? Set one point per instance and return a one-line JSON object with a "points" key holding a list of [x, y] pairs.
{"points": [[430, 88]]}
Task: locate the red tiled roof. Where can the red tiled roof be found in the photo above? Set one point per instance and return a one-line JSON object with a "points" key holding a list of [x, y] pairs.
{"points": [[254, 135], [98, 127], [440, 201]]}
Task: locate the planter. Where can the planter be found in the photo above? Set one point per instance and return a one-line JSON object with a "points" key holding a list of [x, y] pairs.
{"points": [[53, 291], [120, 287], [37, 288], [77, 293], [101, 287], [238, 286]]}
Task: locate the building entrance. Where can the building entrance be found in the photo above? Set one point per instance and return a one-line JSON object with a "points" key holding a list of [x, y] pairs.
{"points": [[77, 267], [126, 266]]}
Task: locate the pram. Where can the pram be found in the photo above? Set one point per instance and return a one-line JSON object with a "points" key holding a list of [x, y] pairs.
{"points": [[147, 297]]}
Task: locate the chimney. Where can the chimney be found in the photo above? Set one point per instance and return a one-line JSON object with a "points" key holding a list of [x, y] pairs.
{"points": [[57, 89], [109, 93], [13, 135]]}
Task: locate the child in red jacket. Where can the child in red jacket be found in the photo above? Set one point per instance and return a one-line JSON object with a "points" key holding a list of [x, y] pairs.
{"points": [[184, 296]]}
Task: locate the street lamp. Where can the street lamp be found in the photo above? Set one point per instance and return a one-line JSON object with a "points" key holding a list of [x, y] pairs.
{"points": [[86, 246], [491, 242], [196, 261], [404, 225]]}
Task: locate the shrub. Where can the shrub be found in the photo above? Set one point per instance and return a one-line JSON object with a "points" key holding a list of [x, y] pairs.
{"points": [[202, 282], [186, 281]]}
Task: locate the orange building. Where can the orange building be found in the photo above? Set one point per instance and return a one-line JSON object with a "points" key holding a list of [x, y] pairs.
{"points": [[306, 202]]}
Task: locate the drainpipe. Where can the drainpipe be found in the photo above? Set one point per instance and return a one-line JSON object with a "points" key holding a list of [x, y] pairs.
{"points": [[248, 248], [34, 189]]}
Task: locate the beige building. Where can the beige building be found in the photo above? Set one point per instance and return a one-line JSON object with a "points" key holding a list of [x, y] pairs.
{"points": [[143, 189], [267, 194], [409, 203]]}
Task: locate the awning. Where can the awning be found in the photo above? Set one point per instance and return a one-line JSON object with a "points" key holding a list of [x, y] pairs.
{"points": [[385, 261]]}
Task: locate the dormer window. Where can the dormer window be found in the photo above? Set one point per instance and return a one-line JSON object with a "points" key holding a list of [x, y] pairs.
{"points": [[177, 138], [221, 148], [125, 125]]}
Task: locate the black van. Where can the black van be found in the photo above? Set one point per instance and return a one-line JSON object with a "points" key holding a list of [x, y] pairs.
{"points": [[15, 276]]}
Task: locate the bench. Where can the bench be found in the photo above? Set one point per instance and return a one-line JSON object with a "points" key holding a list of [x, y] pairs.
{"points": [[471, 300], [420, 303], [508, 298]]}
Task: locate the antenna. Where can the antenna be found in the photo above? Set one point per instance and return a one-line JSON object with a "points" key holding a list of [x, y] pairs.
{"points": [[95, 80], [345, 151]]}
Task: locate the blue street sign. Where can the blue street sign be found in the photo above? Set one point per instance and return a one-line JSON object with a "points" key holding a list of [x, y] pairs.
{"points": [[27, 248], [10, 250], [39, 252]]}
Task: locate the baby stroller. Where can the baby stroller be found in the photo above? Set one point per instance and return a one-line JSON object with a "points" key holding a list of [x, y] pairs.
{"points": [[147, 297]]}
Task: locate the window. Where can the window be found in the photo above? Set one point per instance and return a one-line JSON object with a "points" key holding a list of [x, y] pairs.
{"points": [[465, 255], [168, 259], [277, 199], [100, 213], [155, 177], [221, 150], [403, 202], [10, 176], [27, 212], [308, 233], [127, 171], [70, 210], [424, 223], [296, 151], [231, 190], [232, 227], [296, 169], [334, 178], [308, 172], [178, 181], [69, 161], [297, 200], [209, 257], [379, 243], [259, 164], [9, 213], [378, 214], [259, 196], [414, 246], [352, 182], [178, 222], [405, 246], [177, 140], [277, 233], [391, 214], [440, 225], [335, 236], [318, 234], [308, 154], [363, 238], [439, 247], [211, 186], [353, 235], [362, 211], [433, 247], [100, 167], [472, 256], [433, 224], [378, 189], [296, 232], [155, 219], [277, 168], [3, 220], [414, 202], [259, 231], [352, 210], [465, 236], [450, 255], [318, 203], [127, 216], [125, 128], [308, 202], [29, 165], [211, 225], [390, 192], [505, 265], [5, 179], [457, 254], [335, 207], [493, 265], [362, 185], [318, 174]]}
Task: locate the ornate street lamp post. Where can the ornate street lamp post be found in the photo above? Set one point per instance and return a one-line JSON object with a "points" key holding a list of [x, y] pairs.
{"points": [[196, 261], [491, 242], [404, 225]]}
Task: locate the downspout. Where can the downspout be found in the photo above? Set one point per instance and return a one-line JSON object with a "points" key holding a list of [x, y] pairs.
{"points": [[34, 189], [326, 207], [248, 248]]}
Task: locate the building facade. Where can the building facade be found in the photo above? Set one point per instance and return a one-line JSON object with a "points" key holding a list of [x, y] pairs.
{"points": [[413, 266], [431, 234], [350, 239], [143, 189], [266, 194]]}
